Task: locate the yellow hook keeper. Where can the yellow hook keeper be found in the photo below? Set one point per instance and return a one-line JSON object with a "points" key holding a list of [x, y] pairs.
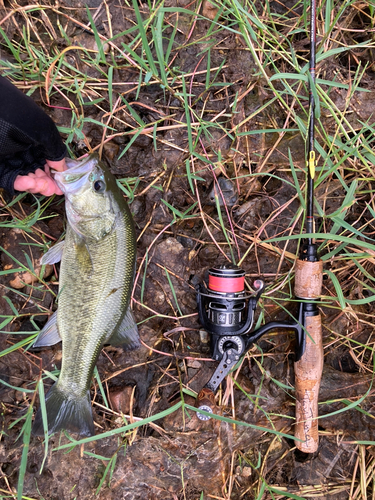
{"points": [[311, 164]]}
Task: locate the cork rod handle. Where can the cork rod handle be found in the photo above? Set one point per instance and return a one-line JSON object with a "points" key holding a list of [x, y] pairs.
{"points": [[308, 370]]}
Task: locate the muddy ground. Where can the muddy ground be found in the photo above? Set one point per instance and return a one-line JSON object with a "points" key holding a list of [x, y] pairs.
{"points": [[178, 456]]}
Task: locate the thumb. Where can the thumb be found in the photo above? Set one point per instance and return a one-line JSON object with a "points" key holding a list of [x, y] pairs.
{"points": [[57, 165]]}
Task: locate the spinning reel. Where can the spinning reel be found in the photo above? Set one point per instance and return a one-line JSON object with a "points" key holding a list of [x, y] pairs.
{"points": [[226, 312], [223, 311]]}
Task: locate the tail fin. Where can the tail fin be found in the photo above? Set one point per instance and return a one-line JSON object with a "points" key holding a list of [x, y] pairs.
{"points": [[65, 411]]}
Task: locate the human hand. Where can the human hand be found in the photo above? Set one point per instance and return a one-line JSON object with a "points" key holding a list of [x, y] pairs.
{"points": [[27, 137], [41, 181]]}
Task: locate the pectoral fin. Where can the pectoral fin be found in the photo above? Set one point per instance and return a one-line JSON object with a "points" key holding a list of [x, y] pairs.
{"points": [[54, 254], [126, 334], [83, 254], [49, 335]]}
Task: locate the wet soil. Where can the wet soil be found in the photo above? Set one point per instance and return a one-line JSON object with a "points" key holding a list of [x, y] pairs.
{"points": [[179, 456]]}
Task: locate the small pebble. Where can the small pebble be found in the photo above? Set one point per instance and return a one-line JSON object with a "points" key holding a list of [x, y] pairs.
{"points": [[228, 192], [204, 336]]}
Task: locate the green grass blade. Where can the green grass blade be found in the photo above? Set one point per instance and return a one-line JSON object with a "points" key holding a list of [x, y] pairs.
{"points": [[143, 35], [110, 89], [338, 289], [324, 236], [238, 422], [109, 467], [26, 429], [187, 116], [157, 33], [42, 402], [296, 183], [172, 290], [101, 388], [189, 175], [96, 35], [121, 430], [218, 208], [284, 493]]}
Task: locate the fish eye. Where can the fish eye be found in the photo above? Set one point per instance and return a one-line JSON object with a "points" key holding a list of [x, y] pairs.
{"points": [[99, 186]]}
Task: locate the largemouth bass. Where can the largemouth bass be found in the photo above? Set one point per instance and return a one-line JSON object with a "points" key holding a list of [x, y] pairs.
{"points": [[95, 284]]}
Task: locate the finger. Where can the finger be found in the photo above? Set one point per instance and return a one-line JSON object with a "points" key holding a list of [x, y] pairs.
{"points": [[44, 185], [36, 183], [24, 183], [57, 165], [41, 174], [57, 189]]}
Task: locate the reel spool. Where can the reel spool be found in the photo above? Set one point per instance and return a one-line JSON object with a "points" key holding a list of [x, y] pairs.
{"points": [[227, 298]]}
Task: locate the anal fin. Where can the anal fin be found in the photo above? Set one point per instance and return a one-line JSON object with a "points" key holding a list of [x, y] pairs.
{"points": [[126, 334]]}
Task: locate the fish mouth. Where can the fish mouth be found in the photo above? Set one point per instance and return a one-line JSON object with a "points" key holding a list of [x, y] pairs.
{"points": [[70, 181]]}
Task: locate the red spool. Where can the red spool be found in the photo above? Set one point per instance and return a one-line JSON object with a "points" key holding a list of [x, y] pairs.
{"points": [[226, 284]]}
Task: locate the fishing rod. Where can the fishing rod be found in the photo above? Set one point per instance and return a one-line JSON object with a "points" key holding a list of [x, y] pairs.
{"points": [[308, 287], [226, 311]]}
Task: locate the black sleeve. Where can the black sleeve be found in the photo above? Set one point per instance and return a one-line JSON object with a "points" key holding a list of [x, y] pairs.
{"points": [[28, 136]]}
